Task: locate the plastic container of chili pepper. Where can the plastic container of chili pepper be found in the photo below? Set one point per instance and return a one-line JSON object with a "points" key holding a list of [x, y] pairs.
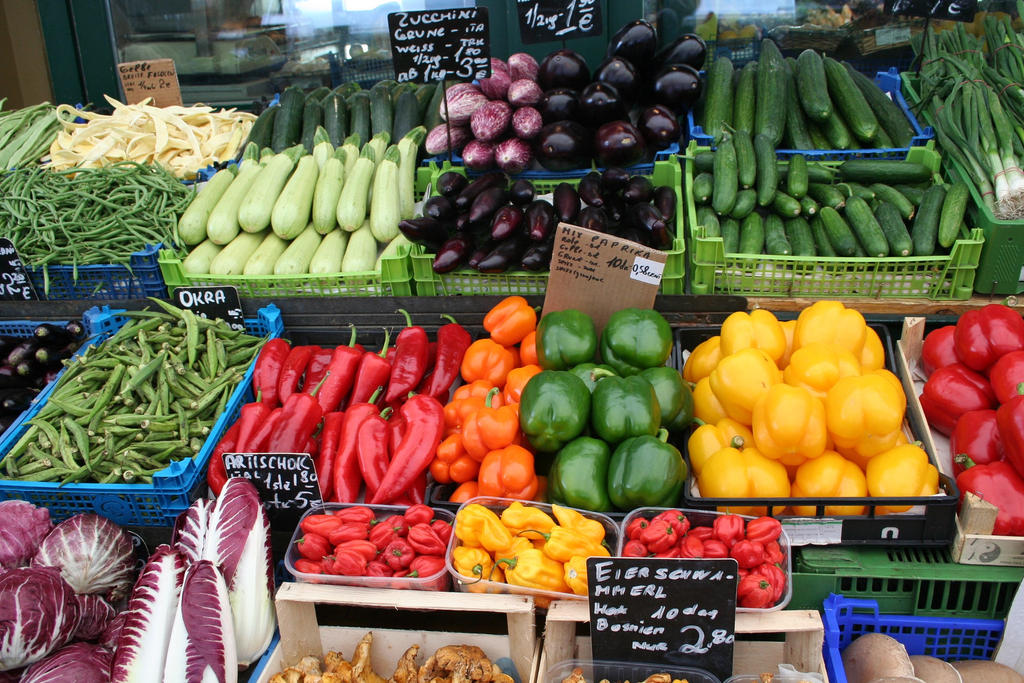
{"points": [[705, 518], [541, 598], [438, 581], [594, 670]]}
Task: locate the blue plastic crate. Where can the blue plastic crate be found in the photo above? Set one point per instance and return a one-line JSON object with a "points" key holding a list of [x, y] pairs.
{"points": [[141, 279], [948, 638], [889, 82], [541, 174], [174, 488]]}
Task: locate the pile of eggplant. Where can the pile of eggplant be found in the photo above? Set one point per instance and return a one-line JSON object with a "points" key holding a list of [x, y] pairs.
{"points": [[492, 226], [30, 363]]}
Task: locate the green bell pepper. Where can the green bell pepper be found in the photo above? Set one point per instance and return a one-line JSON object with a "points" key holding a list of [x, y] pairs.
{"points": [[622, 407], [579, 475], [645, 471], [635, 339], [564, 339], [553, 409], [591, 372], [674, 397]]}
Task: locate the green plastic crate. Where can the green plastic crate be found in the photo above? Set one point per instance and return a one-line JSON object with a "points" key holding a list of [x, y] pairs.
{"points": [[1001, 266], [942, 277], [913, 581], [468, 281]]}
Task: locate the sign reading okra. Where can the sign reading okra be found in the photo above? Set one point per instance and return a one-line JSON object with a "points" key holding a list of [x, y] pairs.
{"points": [[129, 406]]}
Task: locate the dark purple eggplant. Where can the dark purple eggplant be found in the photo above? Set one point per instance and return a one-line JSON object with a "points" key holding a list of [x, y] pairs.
{"points": [[613, 179], [634, 234], [619, 143], [634, 42], [9, 378], [16, 400], [439, 208], [481, 251], [505, 255], [590, 189], [507, 220], [23, 351], [601, 103], [76, 328], [469, 193], [688, 49], [450, 184], [427, 231], [51, 375], [7, 344], [560, 104], [638, 189], [678, 86], [620, 74], [647, 218], [592, 218], [52, 335], [462, 223], [659, 126], [563, 69], [29, 369], [52, 356], [522, 192], [665, 201], [486, 203], [540, 220], [615, 207], [567, 202], [537, 257], [453, 253], [564, 146]]}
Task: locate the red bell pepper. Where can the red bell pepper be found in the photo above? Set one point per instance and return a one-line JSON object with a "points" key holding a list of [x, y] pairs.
{"points": [[452, 342], [976, 436], [313, 546], [398, 554], [755, 590], [357, 513], [748, 554], [729, 529], [330, 437], [322, 525], [763, 529], [378, 568], [372, 452], [268, 369], [373, 373], [952, 391], [381, 535], [250, 417], [349, 531], [938, 350], [410, 361], [300, 416], [418, 514], [348, 563], [342, 369], [316, 368], [1000, 484], [676, 518], [635, 527], [691, 546], [715, 548], [985, 334], [634, 548], [291, 371], [659, 536], [217, 474], [1010, 420], [424, 566], [776, 577], [398, 525], [1007, 376], [424, 419], [425, 540], [347, 477]]}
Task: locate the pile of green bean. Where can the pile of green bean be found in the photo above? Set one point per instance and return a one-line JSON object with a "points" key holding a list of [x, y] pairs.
{"points": [[89, 216], [134, 403], [26, 134]]}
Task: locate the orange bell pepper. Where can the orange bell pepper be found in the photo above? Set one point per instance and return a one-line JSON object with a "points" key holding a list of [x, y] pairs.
{"points": [[510, 320], [451, 462], [706, 406], [508, 473], [465, 491], [490, 428], [817, 367], [516, 381], [528, 350], [830, 475], [466, 400], [759, 329], [703, 359], [486, 359]]}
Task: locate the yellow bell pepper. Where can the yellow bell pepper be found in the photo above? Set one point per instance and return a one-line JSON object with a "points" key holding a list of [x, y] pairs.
{"points": [[706, 406], [703, 359], [817, 367], [475, 563], [732, 473], [789, 425], [759, 329], [708, 439], [575, 575], [564, 543], [904, 471], [517, 518], [575, 520], [518, 545], [788, 328], [830, 322], [478, 526], [742, 378], [872, 356], [533, 569], [830, 475], [865, 413], [871, 448]]}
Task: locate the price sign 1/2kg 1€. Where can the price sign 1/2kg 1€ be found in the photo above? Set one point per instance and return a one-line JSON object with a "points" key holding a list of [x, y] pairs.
{"points": [[287, 482], [543, 21], [443, 44]]}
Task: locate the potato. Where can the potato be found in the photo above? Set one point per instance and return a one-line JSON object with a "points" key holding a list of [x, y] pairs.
{"points": [[876, 656], [989, 672], [934, 670]]}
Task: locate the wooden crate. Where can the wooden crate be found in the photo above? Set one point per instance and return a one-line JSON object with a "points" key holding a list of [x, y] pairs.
{"points": [[302, 635], [802, 647]]}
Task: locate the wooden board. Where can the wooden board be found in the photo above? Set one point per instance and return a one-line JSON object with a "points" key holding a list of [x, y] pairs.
{"points": [[900, 307]]}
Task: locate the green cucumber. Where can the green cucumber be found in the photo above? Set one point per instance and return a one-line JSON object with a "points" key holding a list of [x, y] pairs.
{"points": [[817, 136], [890, 194], [785, 206], [767, 170], [312, 116], [887, 172], [821, 243], [703, 185], [731, 234], [407, 115], [381, 112], [862, 191], [745, 99], [359, 115], [839, 136], [288, 123], [812, 87], [775, 242], [842, 239], [882, 140], [798, 232], [849, 101], [726, 180], [770, 113], [926, 224], [808, 207], [796, 177], [745, 202], [704, 162], [751, 234], [706, 216], [263, 128], [718, 98], [796, 127], [953, 207], [424, 94], [746, 164], [895, 230], [826, 195], [890, 117], [912, 193], [336, 118], [865, 226]]}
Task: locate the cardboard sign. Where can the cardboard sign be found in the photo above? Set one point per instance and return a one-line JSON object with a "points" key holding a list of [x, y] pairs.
{"points": [[542, 21], [287, 482], [953, 10], [666, 611], [156, 78], [599, 273], [443, 44], [212, 303], [15, 284]]}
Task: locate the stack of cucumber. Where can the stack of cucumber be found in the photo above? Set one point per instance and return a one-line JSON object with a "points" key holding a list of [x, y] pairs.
{"points": [[806, 103], [293, 212], [862, 207], [388, 107]]}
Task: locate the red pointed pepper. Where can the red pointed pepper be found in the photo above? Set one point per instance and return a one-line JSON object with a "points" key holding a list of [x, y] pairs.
{"points": [[217, 475], [347, 479], [261, 437], [300, 416], [1000, 484], [330, 437], [938, 349], [291, 371], [985, 334], [268, 369], [1007, 376], [952, 391], [344, 361], [452, 342], [410, 362], [976, 436], [416, 493], [316, 369], [372, 451], [1010, 419], [250, 417], [373, 371], [424, 419]]}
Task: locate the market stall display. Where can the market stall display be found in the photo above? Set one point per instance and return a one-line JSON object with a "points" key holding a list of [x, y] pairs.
{"points": [[26, 134]]}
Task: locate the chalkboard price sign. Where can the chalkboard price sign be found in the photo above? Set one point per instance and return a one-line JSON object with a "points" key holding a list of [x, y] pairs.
{"points": [[668, 611], [287, 482], [442, 44], [543, 21], [953, 10], [213, 302], [15, 284]]}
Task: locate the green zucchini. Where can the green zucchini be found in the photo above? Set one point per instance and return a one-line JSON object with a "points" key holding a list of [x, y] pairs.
{"points": [[222, 225], [767, 170], [842, 239], [409, 147], [890, 194], [231, 259], [336, 118], [895, 230], [424, 94], [775, 242], [925, 230], [407, 115], [796, 176], [912, 193], [293, 207], [798, 232], [347, 88], [751, 234], [257, 207], [432, 116], [707, 217], [821, 243], [785, 206], [731, 234], [328, 256], [726, 180], [887, 172], [865, 226], [849, 101], [770, 113], [288, 123], [361, 252], [296, 258], [353, 201], [745, 98], [318, 94], [745, 202], [327, 193], [826, 195], [385, 205], [746, 164], [703, 185], [808, 207], [192, 225], [261, 261], [718, 98], [796, 126], [812, 87], [839, 136], [199, 259], [312, 116], [890, 117], [263, 128], [381, 111], [953, 207], [359, 115]]}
